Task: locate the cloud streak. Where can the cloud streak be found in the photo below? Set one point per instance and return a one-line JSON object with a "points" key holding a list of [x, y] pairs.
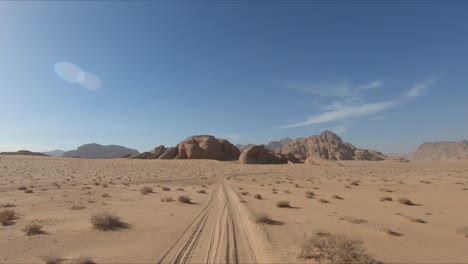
{"points": [[340, 112], [334, 89]]}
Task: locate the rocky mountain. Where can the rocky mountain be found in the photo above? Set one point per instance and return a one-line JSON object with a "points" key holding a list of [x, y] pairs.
{"points": [[260, 155], [441, 151], [55, 153], [276, 145], [24, 152], [243, 147], [97, 151], [328, 146], [195, 147]]}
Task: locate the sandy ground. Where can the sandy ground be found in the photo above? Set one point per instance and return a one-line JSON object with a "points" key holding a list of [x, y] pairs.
{"points": [[217, 226]]}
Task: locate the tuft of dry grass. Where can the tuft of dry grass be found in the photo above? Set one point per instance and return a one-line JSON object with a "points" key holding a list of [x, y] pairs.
{"points": [[326, 247], [386, 198], [7, 216], [323, 201], [180, 189], [309, 194], [7, 205], [22, 188], [283, 204], [28, 191], [463, 231], [406, 201], [390, 232], [107, 221], [52, 259], [83, 260], [258, 196], [353, 220], [33, 229], [184, 199], [146, 190], [77, 207], [167, 199], [417, 220], [201, 191], [166, 189], [337, 197]]}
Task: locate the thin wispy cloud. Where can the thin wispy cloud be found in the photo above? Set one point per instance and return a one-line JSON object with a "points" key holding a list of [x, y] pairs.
{"points": [[338, 111], [341, 88], [72, 73]]}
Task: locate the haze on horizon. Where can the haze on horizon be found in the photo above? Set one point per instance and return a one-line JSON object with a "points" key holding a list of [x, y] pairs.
{"points": [[383, 75]]}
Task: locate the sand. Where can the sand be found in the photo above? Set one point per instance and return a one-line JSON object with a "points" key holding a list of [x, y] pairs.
{"points": [[218, 225]]}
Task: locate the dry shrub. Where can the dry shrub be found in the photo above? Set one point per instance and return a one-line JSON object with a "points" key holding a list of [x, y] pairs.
{"points": [[105, 195], [463, 231], [406, 201], [201, 191], [258, 196], [22, 188], [309, 194], [385, 198], [83, 260], [167, 199], [166, 189], [353, 220], [261, 218], [107, 221], [354, 183], [335, 249], [337, 197], [283, 204], [425, 182], [77, 207], [385, 190], [28, 191], [7, 205], [52, 259], [323, 201], [7, 216], [244, 193], [146, 190], [180, 189], [417, 220], [390, 232], [33, 229], [184, 199]]}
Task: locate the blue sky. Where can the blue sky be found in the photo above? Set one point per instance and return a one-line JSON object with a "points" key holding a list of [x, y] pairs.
{"points": [[383, 75]]}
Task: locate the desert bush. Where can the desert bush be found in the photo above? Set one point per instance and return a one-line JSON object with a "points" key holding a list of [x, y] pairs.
{"points": [[52, 259], [167, 199], [425, 182], [283, 204], [463, 231], [406, 201], [385, 190], [337, 197], [385, 198], [107, 221], [184, 199], [417, 220], [7, 216], [77, 207], [354, 183], [105, 195], [22, 188], [146, 190], [309, 194], [353, 220], [33, 229], [258, 196], [323, 201], [201, 191], [180, 189], [244, 193], [335, 249], [166, 189], [390, 232], [105, 185], [261, 218], [83, 260], [7, 205], [28, 191]]}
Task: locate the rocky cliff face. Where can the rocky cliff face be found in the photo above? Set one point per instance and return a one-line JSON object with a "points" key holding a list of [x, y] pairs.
{"points": [[276, 145], [328, 146], [441, 151], [96, 151]]}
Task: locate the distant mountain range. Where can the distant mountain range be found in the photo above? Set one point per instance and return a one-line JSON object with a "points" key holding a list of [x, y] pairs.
{"points": [[23, 152], [97, 151], [55, 153], [445, 150]]}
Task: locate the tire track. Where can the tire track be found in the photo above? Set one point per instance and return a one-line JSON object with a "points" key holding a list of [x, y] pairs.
{"points": [[220, 233]]}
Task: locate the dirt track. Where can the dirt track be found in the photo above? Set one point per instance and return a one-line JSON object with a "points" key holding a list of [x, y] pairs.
{"points": [[220, 233]]}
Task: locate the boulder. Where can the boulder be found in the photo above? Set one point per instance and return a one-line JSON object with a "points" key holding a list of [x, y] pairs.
{"points": [[207, 147], [258, 154]]}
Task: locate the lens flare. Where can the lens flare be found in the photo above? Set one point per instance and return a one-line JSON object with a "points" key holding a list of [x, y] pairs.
{"points": [[90, 81], [67, 71]]}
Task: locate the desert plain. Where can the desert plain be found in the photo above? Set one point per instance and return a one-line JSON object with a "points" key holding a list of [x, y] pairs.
{"points": [[219, 222]]}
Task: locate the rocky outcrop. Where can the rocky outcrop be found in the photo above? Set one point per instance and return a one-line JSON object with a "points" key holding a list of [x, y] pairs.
{"points": [[328, 146], [260, 155], [169, 153], [441, 151], [207, 147], [243, 147], [155, 154], [25, 153], [276, 145], [97, 151]]}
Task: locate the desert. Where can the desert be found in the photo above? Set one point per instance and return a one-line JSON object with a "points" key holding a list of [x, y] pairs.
{"points": [[343, 198]]}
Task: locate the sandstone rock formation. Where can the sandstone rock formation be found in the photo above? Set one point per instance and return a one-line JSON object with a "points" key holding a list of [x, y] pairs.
{"points": [[276, 145], [328, 146], [24, 152], [169, 153], [260, 155], [155, 154], [96, 151], [441, 151], [207, 147]]}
